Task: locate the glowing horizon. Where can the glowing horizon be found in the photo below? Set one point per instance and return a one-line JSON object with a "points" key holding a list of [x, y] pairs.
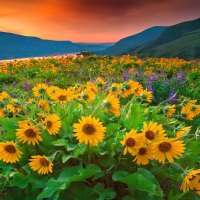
{"points": [[100, 21]]}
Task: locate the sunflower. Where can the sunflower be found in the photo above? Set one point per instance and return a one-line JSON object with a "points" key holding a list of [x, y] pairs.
{"points": [[170, 110], [183, 132], [51, 90], [13, 108], [128, 88], [9, 153], [143, 154], [191, 181], [3, 95], [88, 95], [114, 89], [2, 113], [89, 131], [39, 89], [40, 164], [153, 132], [138, 89], [111, 104], [52, 124], [62, 96], [24, 123], [100, 82], [92, 87], [146, 96], [131, 141], [29, 134], [43, 104], [168, 149]]}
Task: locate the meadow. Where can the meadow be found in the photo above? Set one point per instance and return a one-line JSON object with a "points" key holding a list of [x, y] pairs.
{"points": [[100, 128]]}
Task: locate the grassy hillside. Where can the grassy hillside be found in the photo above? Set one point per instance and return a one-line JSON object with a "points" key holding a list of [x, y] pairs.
{"points": [[182, 40], [125, 44], [18, 46]]}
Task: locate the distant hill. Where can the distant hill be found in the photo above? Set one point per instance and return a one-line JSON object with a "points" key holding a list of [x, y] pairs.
{"points": [[18, 46], [180, 40], [125, 44]]}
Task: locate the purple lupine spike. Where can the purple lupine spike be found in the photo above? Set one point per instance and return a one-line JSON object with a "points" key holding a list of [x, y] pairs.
{"points": [[47, 82], [27, 86], [172, 97], [125, 76], [14, 84]]}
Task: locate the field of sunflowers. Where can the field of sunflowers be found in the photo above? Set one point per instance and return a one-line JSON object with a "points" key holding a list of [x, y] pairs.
{"points": [[86, 128]]}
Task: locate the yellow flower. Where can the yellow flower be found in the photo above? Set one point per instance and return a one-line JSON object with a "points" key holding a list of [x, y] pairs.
{"points": [[53, 124], [168, 149], [128, 88], [51, 90], [88, 95], [3, 95], [100, 82], [131, 141], [146, 96], [183, 131], [44, 104], [2, 114], [40, 164], [62, 96], [29, 135], [114, 89], [111, 103], [191, 181], [39, 89], [143, 154], [9, 153], [153, 132], [24, 123], [171, 110], [89, 131]]}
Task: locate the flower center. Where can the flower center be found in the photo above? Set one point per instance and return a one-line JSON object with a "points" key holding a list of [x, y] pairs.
{"points": [[89, 129], [41, 90], [49, 124], [130, 142], [85, 97], [30, 133], [10, 148], [150, 135], [44, 162], [142, 151], [62, 98], [165, 147], [107, 105]]}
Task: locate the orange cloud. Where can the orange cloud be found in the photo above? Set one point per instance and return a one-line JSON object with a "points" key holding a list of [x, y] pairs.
{"points": [[91, 20]]}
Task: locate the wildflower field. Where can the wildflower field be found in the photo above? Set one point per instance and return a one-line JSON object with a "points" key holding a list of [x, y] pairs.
{"points": [[86, 128]]}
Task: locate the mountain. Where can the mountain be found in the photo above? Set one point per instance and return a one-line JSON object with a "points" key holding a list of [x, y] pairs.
{"points": [[180, 40], [125, 44], [18, 46]]}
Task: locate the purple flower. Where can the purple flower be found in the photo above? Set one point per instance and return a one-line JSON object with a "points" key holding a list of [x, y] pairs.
{"points": [[27, 86], [14, 84], [47, 82], [181, 78], [125, 76], [172, 97]]}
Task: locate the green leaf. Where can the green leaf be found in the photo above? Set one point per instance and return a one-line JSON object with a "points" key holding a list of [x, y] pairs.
{"points": [[8, 128], [141, 180], [60, 143], [67, 176], [135, 116], [20, 180]]}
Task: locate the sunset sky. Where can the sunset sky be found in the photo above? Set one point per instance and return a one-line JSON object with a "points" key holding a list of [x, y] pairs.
{"points": [[92, 20]]}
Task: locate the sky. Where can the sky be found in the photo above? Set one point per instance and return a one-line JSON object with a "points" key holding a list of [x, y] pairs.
{"points": [[92, 21]]}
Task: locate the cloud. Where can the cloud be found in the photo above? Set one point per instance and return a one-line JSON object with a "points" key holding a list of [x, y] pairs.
{"points": [[92, 20]]}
